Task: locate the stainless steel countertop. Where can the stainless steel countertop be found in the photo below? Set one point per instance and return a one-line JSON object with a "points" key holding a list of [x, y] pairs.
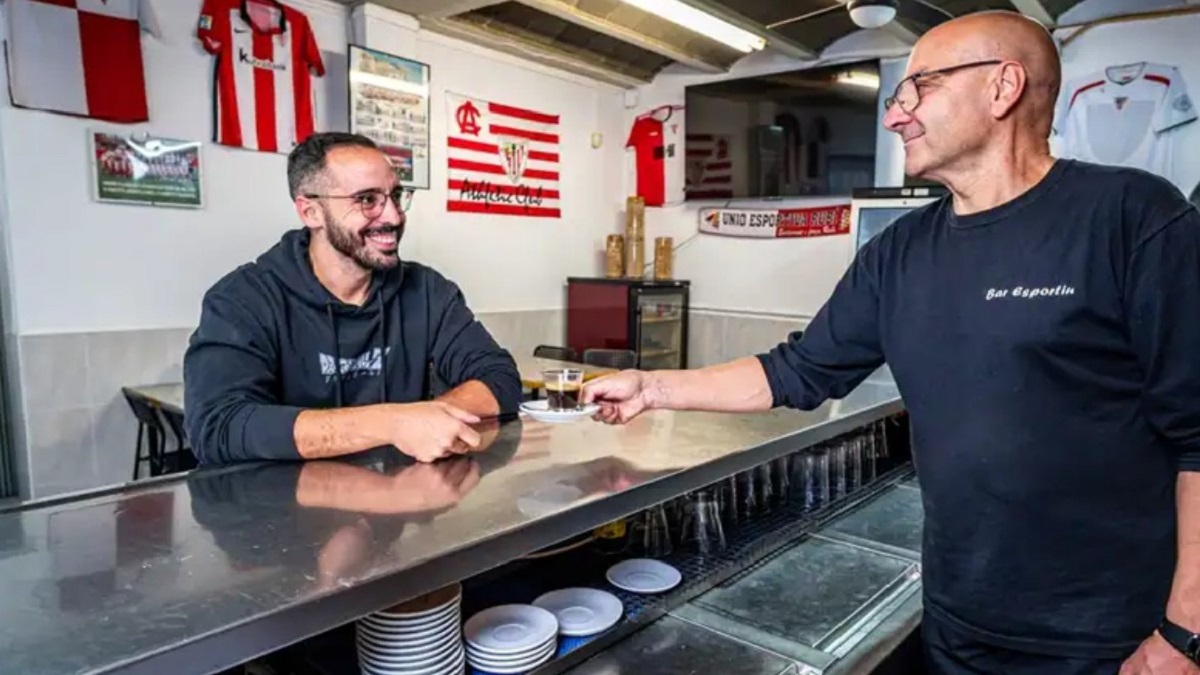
{"points": [[193, 574]]}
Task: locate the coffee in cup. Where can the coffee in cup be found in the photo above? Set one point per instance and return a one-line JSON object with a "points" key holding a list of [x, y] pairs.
{"points": [[564, 388]]}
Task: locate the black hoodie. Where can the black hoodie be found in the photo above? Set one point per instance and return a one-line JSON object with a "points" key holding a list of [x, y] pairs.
{"points": [[270, 335]]}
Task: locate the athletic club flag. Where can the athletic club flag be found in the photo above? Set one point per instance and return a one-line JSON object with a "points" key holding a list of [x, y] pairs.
{"points": [[81, 57], [502, 160]]}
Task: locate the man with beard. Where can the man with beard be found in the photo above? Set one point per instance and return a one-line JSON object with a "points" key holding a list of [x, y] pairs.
{"points": [[1041, 323], [329, 344]]}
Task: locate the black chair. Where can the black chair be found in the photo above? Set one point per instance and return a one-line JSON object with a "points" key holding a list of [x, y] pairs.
{"points": [[617, 359], [150, 427], [182, 459], [556, 353]]}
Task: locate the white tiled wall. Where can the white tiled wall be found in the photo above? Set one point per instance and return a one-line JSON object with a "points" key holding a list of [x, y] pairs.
{"points": [[716, 336]]}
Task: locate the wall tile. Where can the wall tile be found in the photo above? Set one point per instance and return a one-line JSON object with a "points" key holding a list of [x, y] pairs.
{"points": [[521, 331], [718, 337], [176, 344], [706, 333], [54, 372], [62, 451], [114, 430], [16, 411], [124, 358]]}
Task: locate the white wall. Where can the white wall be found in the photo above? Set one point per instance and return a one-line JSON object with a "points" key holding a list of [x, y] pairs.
{"points": [[771, 277], [1169, 41], [81, 266]]}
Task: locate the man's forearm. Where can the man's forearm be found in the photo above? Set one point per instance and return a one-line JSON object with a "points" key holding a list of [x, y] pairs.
{"points": [[337, 485], [1184, 605], [474, 397], [736, 386], [332, 433]]}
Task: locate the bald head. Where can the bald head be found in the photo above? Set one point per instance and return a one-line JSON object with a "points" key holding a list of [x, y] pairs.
{"points": [[979, 89], [1006, 36]]}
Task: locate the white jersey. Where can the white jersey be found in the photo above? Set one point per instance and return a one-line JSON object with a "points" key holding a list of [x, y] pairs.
{"points": [[1124, 116]]}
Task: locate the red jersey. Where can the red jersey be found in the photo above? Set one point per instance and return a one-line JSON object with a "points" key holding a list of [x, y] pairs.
{"points": [[659, 159], [265, 53]]}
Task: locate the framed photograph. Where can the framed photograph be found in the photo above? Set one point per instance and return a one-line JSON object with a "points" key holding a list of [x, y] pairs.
{"points": [[389, 103], [146, 170]]}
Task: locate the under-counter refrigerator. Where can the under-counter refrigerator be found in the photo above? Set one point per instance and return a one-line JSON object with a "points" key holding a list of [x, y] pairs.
{"points": [[647, 316]]}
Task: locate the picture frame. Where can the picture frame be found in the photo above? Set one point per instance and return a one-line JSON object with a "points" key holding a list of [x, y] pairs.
{"points": [[389, 102], [145, 170]]}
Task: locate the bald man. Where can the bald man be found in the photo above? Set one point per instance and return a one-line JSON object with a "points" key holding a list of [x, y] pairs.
{"points": [[1043, 325]]}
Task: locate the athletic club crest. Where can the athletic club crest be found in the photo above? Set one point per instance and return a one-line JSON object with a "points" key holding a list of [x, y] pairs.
{"points": [[514, 156], [467, 118]]}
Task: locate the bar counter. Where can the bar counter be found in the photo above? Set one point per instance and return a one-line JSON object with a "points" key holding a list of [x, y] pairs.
{"points": [[197, 573]]}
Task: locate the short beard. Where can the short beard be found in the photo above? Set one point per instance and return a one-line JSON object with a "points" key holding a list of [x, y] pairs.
{"points": [[354, 246]]}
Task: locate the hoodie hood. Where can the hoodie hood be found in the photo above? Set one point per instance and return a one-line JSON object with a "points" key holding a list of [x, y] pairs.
{"points": [[288, 261]]}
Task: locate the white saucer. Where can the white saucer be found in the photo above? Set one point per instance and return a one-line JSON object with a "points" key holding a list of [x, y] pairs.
{"points": [[540, 411], [510, 629], [582, 611], [486, 661], [498, 667], [643, 575], [422, 606], [451, 663], [415, 661]]}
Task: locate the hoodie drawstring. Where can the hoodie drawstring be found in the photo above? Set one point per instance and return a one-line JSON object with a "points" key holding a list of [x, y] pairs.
{"points": [[337, 354], [383, 348]]}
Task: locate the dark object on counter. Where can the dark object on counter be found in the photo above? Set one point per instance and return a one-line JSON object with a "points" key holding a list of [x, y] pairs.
{"points": [[555, 352], [648, 317]]}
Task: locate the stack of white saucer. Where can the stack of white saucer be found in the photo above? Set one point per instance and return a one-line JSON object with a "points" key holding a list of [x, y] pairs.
{"points": [[511, 639], [418, 637]]}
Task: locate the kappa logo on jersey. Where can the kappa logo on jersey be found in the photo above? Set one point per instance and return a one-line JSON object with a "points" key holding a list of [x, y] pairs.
{"points": [[467, 117], [515, 155], [245, 57]]}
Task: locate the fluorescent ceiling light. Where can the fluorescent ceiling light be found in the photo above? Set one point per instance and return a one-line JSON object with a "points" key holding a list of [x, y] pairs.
{"points": [[867, 80], [701, 22]]}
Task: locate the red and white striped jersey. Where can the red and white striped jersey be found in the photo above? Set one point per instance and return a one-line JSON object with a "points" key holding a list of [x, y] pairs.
{"points": [[709, 166], [81, 57], [1123, 116], [265, 53]]}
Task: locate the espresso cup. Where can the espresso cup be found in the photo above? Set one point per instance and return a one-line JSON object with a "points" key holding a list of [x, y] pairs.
{"points": [[564, 387]]}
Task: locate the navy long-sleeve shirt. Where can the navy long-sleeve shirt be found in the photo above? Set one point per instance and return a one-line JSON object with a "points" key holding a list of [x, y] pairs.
{"points": [[1048, 352], [272, 341]]}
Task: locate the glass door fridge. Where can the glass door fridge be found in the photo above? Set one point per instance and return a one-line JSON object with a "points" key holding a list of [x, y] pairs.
{"points": [[646, 316]]}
